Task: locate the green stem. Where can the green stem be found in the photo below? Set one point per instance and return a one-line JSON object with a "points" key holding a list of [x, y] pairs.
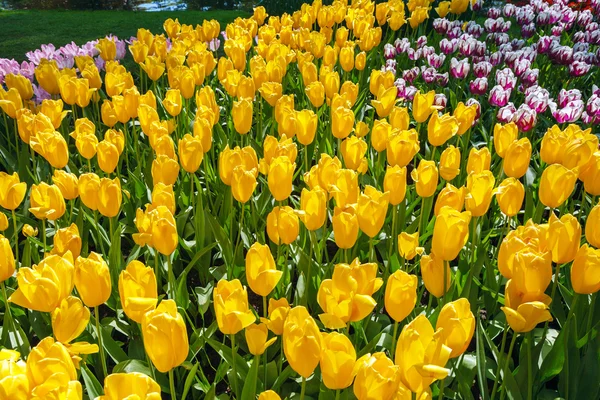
{"points": [[591, 314], [100, 342], [9, 315], [156, 269], [44, 237], [171, 278], [394, 339], [510, 350], [239, 238], [234, 378], [442, 382], [337, 394], [392, 240], [502, 346], [530, 368], [303, 389], [371, 257], [172, 385], [16, 235]]}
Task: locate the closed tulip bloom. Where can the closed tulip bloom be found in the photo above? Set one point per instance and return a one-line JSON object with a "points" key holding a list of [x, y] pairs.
{"points": [[345, 226], [585, 272], [12, 190], [25, 123], [360, 61], [165, 336], [337, 361], [441, 128], [394, 182], [108, 156], [190, 153], [231, 307], [153, 67], [372, 209], [556, 185], [44, 286], [52, 146], [47, 360], [10, 102], [69, 319], [376, 377], [524, 316], [402, 147], [88, 188], [67, 184], [450, 196], [108, 114], [130, 385], [107, 48], [510, 195], [302, 341], [281, 174], [480, 188], [553, 145], [361, 129], [421, 355], [425, 177], [579, 150], [306, 126], [353, 152], [3, 222], [564, 236], [532, 272], [315, 92], [386, 99], [342, 122], [479, 160], [256, 337], [457, 325], [29, 231], [67, 239], [400, 295], [465, 116], [229, 159], [422, 106], [313, 204], [243, 183], [504, 136], [517, 157], [592, 227], [137, 290], [278, 311], [92, 279], [7, 259], [282, 225], [399, 118], [242, 116], [380, 135], [173, 102], [432, 272], [109, 197], [269, 395], [271, 92], [47, 75], [21, 84], [450, 163], [163, 230], [590, 175], [164, 170], [85, 138], [261, 272], [46, 202], [347, 58], [408, 245]]}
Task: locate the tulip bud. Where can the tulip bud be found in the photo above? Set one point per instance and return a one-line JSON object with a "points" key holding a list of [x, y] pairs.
{"points": [[242, 116], [450, 196], [306, 126], [376, 377], [46, 202], [302, 341], [92, 279], [7, 259], [345, 226], [408, 245], [441, 128], [190, 153], [337, 361], [67, 184], [29, 231], [69, 320], [372, 209], [457, 325], [564, 236], [425, 177], [584, 277], [261, 272], [12, 190], [517, 157], [592, 227], [423, 106], [479, 160], [480, 188], [556, 185], [137, 290], [256, 337], [450, 163], [281, 174], [109, 197], [394, 182], [313, 204], [510, 195], [278, 311], [231, 307], [130, 385], [400, 295], [450, 233], [165, 336], [504, 136]]}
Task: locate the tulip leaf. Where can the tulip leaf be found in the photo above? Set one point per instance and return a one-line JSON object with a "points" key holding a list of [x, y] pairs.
{"points": [[221, 238], [225, 353], [204, 294], [113, 348], [189, 380], [481, 359], [249, 390], [92, 386], [285, 374], [554, 360]]}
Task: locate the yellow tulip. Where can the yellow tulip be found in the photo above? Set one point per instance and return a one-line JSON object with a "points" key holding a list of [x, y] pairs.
{"points": [[21, 84], [401, 147], [67, 239], [465, 116], [261, 272], [504, 136], [107, 48], [590, 175], [47, 75], [337, 361], [29, 231], [44, 286], [231, 307], [436, 274], [386, 99], [479, 160], [564, 236], [12, 190], [278, 311], [376, 377], [313, 204], [109, 197], [400, 295], [281, 174], [3, 222], [130, 385], [372, 209], [422, 106], [345, 226], [584, 272], [425, 177], [137, 290], [532, 272], [408, 245], [457, 324], [69, 320], [85, 138], [243, 183], [353, 152], [517, 157], [242, 116], [524, 316], [92, 279], [441, 128], [52, 146], [7, 259], [556, 185], [46, 201], [592, 227], [10, 102], [271, 92], [315, 92], [47, 360], [108, 156], [342, 122], [306, 126], [394, 182], [510, 195], [480, 188], [190, 153], [256, 337], [89, 188], [450, 196], [164, 170], [67, 184], [282, 225], [302, 341]]}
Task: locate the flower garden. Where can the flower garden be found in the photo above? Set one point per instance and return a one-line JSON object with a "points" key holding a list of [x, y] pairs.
{"points": [[352, 201]]}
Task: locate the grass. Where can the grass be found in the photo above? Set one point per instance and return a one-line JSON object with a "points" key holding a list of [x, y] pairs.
{"points": [[23, 31]]}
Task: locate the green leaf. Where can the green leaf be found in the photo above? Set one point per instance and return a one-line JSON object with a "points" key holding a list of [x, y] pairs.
{"points": [[554, 360], [92, 386], [112, 348], [189, 380], [285, 374], [221, 238], [225, 353], [249, 390], [203, 294], [481, 360], [132, 366]]}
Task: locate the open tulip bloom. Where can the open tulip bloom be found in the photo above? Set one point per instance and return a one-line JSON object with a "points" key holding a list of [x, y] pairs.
{"points": [[371, 200]]}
